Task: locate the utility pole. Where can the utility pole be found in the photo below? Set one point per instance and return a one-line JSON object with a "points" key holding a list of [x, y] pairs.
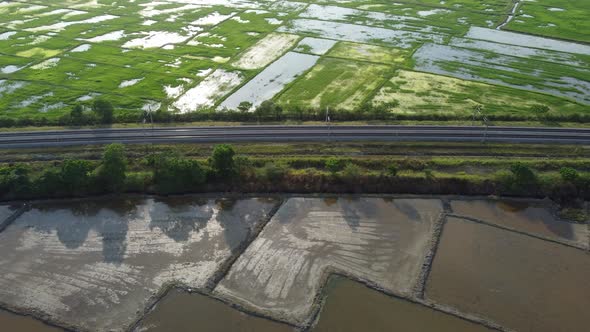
{"points": [[478, 112], [328, 122], [148, 113]]}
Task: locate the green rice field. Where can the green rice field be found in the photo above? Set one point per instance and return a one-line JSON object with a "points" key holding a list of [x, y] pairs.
{"points": [[409, 57]]}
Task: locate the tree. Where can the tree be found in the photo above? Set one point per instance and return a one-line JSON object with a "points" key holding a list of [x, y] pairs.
{"points": [[540, 109], [569, 174], [523, 175], [104, 109], [75, 175], [351, 172], [333, 165], [243, 165], [428, 174], [112, 170], [268, 109], [222, 160], [14, 181], [77, 114], [392, 170], [49, 183], [245, 106], [273, 172]]}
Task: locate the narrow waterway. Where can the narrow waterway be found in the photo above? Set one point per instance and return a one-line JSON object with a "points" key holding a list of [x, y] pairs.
{"points": [[510, 16]]}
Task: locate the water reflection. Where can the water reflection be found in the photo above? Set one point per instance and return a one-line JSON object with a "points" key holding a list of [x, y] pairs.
{"points": [[518, 281], [178, 218], [351, 306], [73, 221], [528, 217], [16, 323], [180, 311]]}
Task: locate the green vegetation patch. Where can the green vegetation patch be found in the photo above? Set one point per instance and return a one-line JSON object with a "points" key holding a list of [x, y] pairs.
{"points": [[38, 52], [565, 19], [336, 83], [366, 52], [416, 92]]}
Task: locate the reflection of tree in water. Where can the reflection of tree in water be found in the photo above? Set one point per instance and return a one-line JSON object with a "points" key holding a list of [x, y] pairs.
{"points": [[73, 221], [354, 209], [329, 201], [408, 209], [536, 214], [512, 206], [235, 226], [178, 217], [114, 235]]}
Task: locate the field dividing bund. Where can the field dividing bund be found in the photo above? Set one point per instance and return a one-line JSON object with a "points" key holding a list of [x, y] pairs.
{"points": [[184, 58]]}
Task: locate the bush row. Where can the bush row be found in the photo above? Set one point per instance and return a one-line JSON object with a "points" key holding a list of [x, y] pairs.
{"points": [[168, 173]]}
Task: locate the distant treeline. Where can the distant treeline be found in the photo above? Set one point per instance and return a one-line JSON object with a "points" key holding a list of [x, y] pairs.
{"points": [[103, 112]]}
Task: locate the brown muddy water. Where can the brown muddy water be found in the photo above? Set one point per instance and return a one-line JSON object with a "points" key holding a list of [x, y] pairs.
{"points": [[181, 311], [5, 212], [533, 218], [351, 306], [523, 283], [16, 323]]}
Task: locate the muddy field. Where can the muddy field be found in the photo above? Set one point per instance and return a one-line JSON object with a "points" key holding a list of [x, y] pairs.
{"points": [[262, 264]]}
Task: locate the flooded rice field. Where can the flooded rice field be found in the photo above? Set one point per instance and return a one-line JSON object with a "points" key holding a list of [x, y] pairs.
{"points": [[371, 239], [14, 322], [96, 264], [130, 52], [271, 81], [471, 64], [181, 311], [530, 218], [289, 263], [351, 306], [520, 282]]}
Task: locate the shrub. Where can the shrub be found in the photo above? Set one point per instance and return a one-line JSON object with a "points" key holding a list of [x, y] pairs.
{"points": [[243, 165], [268, 110], [104, 109], [77, 114], [138, 181], [333, 165], [112, 170], [522, 176], [569, 174], [273, 172], [428, 174], [177, 174], [540, 109], [244, 106], [351, 172], [15, 181], [75, 175], [49, 184], [222, 160], [392, 170]]}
